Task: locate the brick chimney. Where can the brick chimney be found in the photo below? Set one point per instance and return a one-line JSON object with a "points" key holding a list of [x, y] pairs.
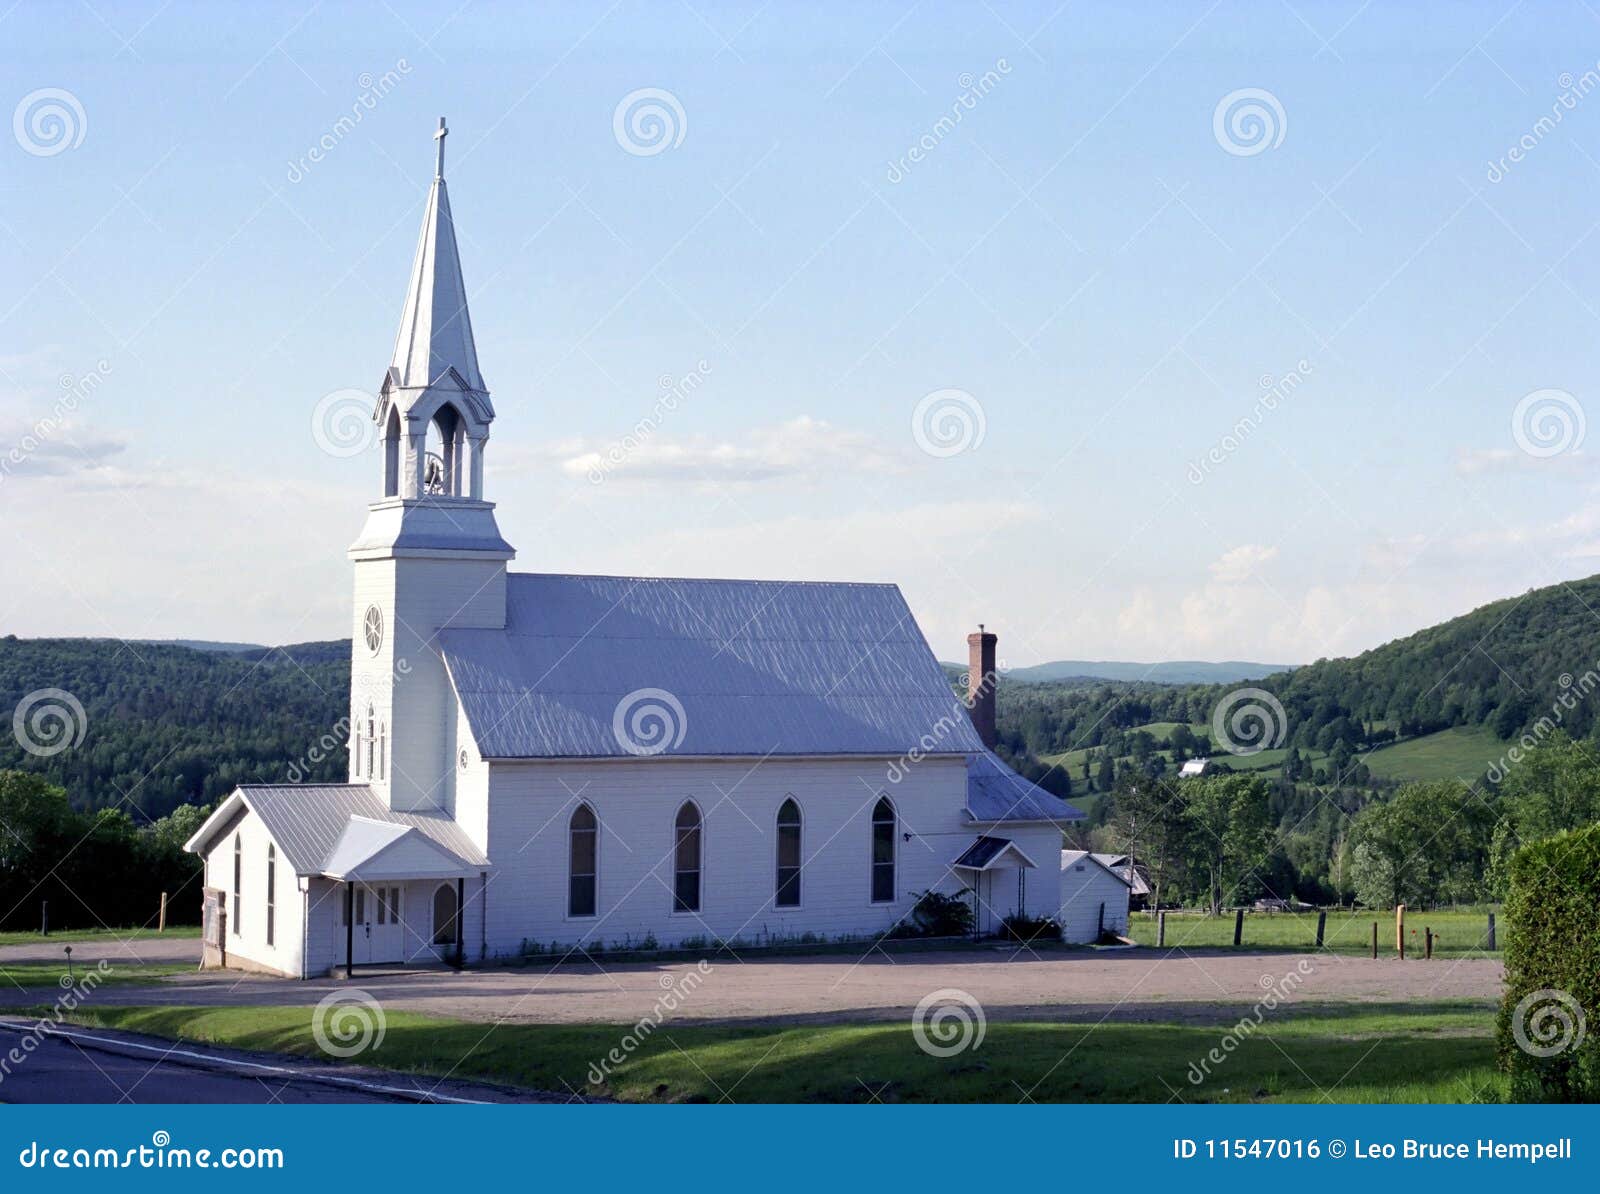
{"points": [[981, 681]]}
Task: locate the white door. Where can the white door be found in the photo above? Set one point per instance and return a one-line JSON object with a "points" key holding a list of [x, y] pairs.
{"points": [[358, 924], [378, 934], [387, 932]]}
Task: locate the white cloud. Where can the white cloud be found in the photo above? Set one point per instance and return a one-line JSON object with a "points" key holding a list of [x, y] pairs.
{"points": [[802, 448], [1238, 564], [1475, 461]]}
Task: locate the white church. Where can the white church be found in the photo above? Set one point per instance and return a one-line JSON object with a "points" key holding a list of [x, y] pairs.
{"points": [[544, 761]]}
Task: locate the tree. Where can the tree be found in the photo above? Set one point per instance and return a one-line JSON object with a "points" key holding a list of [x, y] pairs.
{"points": [[1427, 844], [1106, 778], [1151, 821], [1553, 787], [1230, 833]]}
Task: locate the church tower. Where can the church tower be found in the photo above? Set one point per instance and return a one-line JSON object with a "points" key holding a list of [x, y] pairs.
{"points": [[430, 555]]}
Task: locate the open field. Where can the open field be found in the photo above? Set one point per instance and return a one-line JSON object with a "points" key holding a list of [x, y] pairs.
{"points": [[19, 975], [1405, 1053], [1464, 752], [74, 936], [1457, 934]]}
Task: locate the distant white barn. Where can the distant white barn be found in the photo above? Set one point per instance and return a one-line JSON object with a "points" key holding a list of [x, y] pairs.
{"points": [[548, 761], [1193, 767]]}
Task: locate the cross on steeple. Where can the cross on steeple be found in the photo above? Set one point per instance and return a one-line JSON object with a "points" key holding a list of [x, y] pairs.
{"points": [[438, 170]]}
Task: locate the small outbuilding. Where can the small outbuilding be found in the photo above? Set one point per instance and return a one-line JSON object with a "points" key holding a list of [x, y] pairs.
{"points": [[1094, 898]]}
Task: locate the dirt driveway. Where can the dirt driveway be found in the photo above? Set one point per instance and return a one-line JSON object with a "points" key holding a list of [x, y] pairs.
{"points": [[1145, 984]]}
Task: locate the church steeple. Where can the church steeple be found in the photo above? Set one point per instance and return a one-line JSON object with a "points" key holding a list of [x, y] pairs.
{"points": [[433, 380], [435, 326], [430, 556]]}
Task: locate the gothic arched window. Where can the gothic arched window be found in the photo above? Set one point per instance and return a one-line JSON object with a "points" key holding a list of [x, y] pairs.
{"points": [[583, 858], [687, 845], [787, 894], [883, 835]]}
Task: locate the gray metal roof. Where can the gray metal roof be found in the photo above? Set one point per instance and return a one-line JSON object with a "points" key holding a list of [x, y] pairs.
{"points": [[996, 793], [1103, 861], [307, 821], [754, 668]]}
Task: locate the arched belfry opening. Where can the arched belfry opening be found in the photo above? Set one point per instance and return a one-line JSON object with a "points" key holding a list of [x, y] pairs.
{"points": [[446, 453], [393, 453]]}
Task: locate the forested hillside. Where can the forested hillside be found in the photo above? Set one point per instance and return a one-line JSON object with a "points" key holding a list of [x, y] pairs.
{"points": [[169, 725]]}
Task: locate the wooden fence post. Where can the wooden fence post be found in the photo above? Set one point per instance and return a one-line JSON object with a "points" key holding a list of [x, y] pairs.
{"points": [[1161, 929], [161, 926], [1491, 930], [1400, 929], [1427, 942], [1374, 941], [44, 918], [1322, 924], [1238, 926]]}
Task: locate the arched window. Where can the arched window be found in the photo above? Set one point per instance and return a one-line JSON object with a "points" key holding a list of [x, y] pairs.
{"points": [[391, 454], [444, 915], [883, 835], [272, 889], [446, 438], [787, 894], [582, 862], [238, 878], [372, 737], [686, 859]]}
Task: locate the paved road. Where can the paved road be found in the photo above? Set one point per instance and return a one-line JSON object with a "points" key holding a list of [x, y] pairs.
{"points": [[71, 1065]]}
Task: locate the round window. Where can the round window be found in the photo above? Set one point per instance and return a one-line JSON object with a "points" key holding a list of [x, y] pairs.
{"points": [[461, 759], [372, 628]]}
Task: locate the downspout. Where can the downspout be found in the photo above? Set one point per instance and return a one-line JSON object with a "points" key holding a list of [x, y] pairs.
{"points": [[305, 924], [483, 919]]}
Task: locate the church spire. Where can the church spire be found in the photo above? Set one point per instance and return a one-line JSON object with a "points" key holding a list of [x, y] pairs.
{"points": [[435, 327]]}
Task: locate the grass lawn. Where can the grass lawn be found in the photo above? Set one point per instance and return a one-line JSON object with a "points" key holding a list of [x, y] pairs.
{"points": [[1464, 752], [72, 936], [1456, 933], [1409, 1053], [51, 974]]}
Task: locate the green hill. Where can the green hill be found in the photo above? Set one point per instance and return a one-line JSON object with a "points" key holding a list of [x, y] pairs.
{"points": [[165, 725]]}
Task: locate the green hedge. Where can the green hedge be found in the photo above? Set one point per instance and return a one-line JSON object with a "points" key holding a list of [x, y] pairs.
{"points": [[1549, 1029]]}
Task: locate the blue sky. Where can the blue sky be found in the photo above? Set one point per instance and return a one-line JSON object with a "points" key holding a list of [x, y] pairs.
{"points": [[1097, 268]]}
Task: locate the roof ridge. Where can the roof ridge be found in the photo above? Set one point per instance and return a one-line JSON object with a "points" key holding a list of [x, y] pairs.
{"points": [[705, 580]]}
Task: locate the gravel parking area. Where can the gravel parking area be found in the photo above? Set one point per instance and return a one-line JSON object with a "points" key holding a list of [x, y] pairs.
{"points": [[1144, 985]]}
